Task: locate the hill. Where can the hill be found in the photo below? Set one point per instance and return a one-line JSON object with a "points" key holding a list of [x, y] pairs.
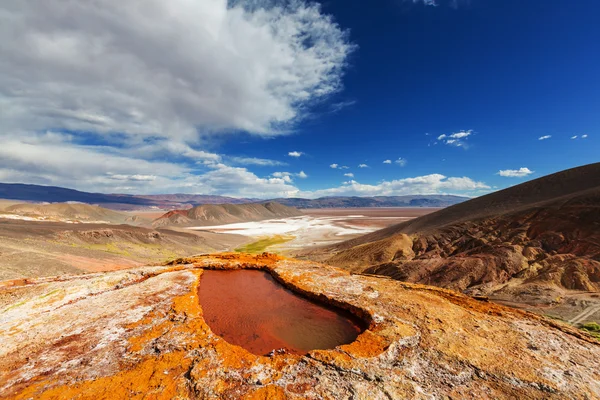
{"points": [[71, 212], [220, 214], [38, 249], [142, 332], [377, 201], [526, 244]]}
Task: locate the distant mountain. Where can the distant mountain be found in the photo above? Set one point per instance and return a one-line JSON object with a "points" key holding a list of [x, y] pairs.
{"points": [[54, 194], [220, 214], [377, 201]]}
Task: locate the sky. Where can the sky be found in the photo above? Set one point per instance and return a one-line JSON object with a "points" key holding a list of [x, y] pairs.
{"points": [[290, 98]]}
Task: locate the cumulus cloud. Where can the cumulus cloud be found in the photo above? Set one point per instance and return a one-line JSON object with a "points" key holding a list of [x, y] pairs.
{"points": [[428, 184], [401, 161], [151, 82], [546, 137], [334, 166], [295, 154], [363, 166], [302, 175], [387, 162], [584, 136], [515, 173], [349, 175], [573, 137], [166, 68]]}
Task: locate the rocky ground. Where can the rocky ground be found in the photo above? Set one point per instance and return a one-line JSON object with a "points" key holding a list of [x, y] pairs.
{"points": [[140, 333]]}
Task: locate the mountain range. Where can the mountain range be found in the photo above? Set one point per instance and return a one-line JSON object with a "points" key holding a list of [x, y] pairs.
{"points": [[54, 194]]}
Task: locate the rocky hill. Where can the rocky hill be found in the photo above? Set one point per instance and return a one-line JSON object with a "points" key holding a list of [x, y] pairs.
{"points": [[74, 212], [36, 249], [220, 214], [526, 243], [141, 333]]}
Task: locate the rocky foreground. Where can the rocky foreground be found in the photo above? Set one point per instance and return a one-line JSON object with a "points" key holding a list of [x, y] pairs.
{"points": [[140, 334]]}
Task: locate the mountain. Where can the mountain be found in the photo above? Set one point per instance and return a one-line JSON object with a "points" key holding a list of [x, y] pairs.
{"points": [[528, 242], [75, 212], [377, 201], [54, 194], [220, 214]]}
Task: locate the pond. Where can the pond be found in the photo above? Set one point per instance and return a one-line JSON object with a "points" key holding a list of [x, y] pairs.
{"points": [[250, 309]]}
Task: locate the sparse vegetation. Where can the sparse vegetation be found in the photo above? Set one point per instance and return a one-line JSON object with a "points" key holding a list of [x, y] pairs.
{"points": [[262, 244], [593, 328]]}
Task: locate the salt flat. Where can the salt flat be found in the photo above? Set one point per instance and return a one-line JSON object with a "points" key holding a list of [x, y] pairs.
{"points": [[325, 227]]}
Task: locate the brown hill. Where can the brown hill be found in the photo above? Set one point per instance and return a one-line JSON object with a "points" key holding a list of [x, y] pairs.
{"points": [[142, 333], [35, 249], [221, 214], [528, 243], [75, 212]]}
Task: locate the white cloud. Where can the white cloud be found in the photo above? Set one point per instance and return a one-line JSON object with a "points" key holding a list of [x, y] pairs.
{"points": [[262, 162], [157, 80], [138, 178], [428, 184], [287, 176], [337, 166], [461, 134], [165, 68], [584, 136], [457, 139], [545, 137], [295, 154], [401, 161], [387, 162], [94, 168], [363, 166], [515, 173], [573, 137], [349, 175]]}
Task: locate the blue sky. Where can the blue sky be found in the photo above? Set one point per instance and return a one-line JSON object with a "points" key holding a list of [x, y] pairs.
{"points": [[261, 98]]}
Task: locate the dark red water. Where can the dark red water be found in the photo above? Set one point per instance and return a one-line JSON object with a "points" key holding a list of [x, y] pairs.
{"points": [[250, 309]]}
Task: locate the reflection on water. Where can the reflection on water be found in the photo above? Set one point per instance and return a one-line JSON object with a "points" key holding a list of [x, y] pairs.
{"points": [[250, 309]]}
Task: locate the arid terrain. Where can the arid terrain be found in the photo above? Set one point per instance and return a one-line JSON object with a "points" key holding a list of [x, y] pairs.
{"points": [[215, 214], [141, 333], [536, 246], [318, 227], [36, 249]]}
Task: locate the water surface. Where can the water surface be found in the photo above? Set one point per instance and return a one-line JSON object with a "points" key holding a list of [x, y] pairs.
{"points": [[250, 309]]}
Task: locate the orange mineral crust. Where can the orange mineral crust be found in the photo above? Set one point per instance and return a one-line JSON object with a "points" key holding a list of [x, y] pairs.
{"points": [[143, 333]]}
